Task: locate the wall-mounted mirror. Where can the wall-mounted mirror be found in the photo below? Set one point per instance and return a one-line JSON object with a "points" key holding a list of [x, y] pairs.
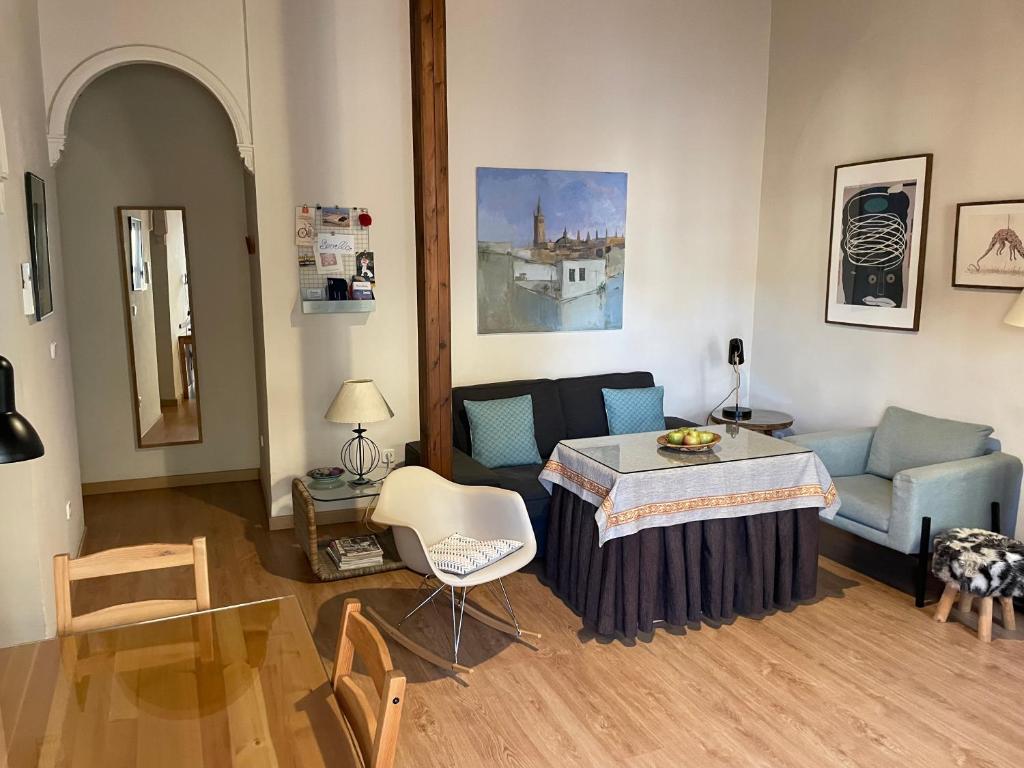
{"points": [[157, 294]]}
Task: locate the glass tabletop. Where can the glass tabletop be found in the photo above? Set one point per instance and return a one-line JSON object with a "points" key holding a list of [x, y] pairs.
{"points": [[340, 489], [641, 452], [759, 417]]}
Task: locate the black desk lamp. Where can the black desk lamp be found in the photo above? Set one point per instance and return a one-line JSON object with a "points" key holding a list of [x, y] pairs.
{"points": [[737, 412], [18, 439]]}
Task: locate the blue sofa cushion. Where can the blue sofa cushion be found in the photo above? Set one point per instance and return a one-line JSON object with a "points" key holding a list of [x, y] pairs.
{"points": [[905, 440], [865, 499], [634, 410], [501, 432]]}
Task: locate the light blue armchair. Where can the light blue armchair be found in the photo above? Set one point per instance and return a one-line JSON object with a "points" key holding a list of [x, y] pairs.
{"points": [[915, 475]]}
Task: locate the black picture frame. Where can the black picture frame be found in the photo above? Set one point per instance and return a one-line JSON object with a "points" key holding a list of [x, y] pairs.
{"points": [[923, 183], [957, 251], [39, 248]]}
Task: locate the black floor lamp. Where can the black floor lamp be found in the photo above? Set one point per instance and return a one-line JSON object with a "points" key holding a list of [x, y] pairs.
{"points": [[18, 439]]}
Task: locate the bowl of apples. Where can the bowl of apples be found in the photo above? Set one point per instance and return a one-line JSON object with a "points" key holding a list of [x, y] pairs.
{"points": [[689, 440]]}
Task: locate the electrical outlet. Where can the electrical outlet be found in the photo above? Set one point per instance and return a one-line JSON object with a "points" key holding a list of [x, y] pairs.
{"points": [[67, 509], [388, 456]]}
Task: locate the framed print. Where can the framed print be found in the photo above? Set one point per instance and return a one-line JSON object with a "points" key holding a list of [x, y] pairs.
{"points": [[987, 247], [877, 243], [140, 271], [35, 204]]}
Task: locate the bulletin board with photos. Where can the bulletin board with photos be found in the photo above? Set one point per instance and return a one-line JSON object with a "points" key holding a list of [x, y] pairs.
{"points": [[334, 257]]}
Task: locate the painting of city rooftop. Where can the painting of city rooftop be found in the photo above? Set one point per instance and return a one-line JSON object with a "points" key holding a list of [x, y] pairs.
{"points": [[551, 250]]}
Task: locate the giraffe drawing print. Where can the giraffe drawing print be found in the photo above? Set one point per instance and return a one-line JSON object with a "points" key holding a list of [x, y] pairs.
{"points": [[989, 252]]}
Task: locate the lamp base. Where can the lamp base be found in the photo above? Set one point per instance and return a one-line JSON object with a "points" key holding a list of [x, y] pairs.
{"points": [[360, 456], [737, 413]]}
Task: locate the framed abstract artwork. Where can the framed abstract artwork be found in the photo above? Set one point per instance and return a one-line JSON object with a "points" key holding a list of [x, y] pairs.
{"points": [[35, 204], [987, 247], [877, 243]]}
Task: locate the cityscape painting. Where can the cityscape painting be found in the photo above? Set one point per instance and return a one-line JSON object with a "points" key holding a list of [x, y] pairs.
{"points": [[551, 250]]}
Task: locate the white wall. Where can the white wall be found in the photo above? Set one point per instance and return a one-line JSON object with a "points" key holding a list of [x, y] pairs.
{"points": [[144, 323], [177, 293], [149, 136], [32, 494], [672, 93], [858, 81]]}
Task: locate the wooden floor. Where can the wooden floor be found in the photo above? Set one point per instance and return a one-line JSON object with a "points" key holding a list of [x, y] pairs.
{"points": [[177, 424], [858, 678]]}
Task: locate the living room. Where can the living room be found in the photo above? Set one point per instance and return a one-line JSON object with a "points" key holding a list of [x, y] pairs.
{"points": [[728, 127]]}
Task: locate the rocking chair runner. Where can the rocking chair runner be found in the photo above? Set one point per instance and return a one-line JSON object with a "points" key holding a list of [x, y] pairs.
{"points": [[422, 508]]}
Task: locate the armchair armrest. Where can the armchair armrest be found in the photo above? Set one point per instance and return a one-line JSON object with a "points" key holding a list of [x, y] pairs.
{"points": [[674, 422], [954, 494], [465, 469], [844, 452]]}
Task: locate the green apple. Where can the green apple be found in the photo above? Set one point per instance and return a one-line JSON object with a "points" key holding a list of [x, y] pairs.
{"points": [[707, 437], [675, 437]]}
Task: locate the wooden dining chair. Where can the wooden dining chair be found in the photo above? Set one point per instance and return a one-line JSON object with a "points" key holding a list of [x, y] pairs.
{"points": [[376, 730], [144, 557]]}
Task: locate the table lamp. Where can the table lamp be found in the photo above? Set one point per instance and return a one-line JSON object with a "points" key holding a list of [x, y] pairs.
{"points": [[736, 412], [18, 439], [359, 402], [1016, 314]]}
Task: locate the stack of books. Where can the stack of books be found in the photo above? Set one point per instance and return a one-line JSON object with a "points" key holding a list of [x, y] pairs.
{"points": [[350, 553]]}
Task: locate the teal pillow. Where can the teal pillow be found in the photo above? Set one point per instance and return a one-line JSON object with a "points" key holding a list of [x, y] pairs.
{"points": [[634, 410], [501, 432], [906, 439]]}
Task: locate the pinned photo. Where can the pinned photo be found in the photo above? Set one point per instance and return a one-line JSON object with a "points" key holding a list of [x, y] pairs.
{"points": [[335, 218]]}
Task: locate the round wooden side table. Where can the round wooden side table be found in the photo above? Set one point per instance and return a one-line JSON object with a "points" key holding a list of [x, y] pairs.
{"points": [[761, 420]]}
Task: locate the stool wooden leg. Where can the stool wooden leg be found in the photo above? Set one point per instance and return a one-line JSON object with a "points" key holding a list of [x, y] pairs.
{"points": [[965, 602], [1006, 606], [985, 619], [946, 601]]}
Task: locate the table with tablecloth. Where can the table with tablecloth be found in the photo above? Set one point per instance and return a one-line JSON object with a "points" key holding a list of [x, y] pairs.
{"points": [[639, 534]]}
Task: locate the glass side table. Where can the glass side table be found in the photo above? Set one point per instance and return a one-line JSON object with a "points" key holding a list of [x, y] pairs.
{"points": [[339, 490]]}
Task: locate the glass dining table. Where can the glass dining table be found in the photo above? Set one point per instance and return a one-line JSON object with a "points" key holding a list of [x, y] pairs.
{"points": [[242, 685]]}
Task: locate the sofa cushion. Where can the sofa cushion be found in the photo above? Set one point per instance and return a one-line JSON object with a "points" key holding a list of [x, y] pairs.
{"points": [[634, 410], [865, 499], [523, 480], [906, 439], [583, 403], [548, 424], [502, 432]]}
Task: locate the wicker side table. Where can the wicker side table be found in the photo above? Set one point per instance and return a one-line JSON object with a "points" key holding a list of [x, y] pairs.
{"points": [[314, 539]]}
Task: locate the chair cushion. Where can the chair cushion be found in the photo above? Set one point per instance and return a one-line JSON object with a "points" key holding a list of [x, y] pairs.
{"points": [[548, 423], [906, 439], [865, 499], [462, 555], [502, 431], [523, 480], [634, 410], [583, 402]]}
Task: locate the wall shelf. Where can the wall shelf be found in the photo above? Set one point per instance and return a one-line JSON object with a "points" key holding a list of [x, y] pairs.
{"points": [[338, 307]]}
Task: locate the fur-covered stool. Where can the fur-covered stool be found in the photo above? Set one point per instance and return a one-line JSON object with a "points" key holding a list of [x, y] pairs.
{"points": [[978, 563]]}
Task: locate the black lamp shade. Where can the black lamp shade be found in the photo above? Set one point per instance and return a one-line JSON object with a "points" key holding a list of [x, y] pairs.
{"points": [[18, 439]]}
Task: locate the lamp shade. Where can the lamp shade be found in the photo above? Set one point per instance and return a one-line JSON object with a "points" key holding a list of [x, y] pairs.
{"points": [[1016, 314], [358, 402], [18, 439]]}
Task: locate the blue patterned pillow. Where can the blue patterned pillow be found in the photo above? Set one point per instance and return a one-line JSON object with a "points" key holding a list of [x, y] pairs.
{"points": [[501, 432], [634, 410]]}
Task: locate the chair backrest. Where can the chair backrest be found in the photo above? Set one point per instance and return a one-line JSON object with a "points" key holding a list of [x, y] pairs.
{"points": [[375, 728], [145, 557]]}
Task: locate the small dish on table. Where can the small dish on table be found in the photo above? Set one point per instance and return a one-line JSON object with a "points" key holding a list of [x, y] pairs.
{"points": [[705, 445], [326, 477]]}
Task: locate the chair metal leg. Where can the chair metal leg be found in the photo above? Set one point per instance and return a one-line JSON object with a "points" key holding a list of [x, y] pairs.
{"points": [[508, 607], [996, 523], [921, 576], [457, 628], [430, 597]]}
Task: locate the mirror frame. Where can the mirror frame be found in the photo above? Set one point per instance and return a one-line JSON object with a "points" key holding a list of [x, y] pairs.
{"points": [[119, 214]]}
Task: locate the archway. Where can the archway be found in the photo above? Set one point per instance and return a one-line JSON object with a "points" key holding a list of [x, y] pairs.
{"points": [[59, 113]]}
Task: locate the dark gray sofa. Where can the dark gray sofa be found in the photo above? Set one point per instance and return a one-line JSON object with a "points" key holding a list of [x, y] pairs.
{"points": [[563, 409]]}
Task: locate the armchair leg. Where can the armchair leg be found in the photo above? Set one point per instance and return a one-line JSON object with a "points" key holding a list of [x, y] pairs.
{"points": [[921, 576], [995, 517]]}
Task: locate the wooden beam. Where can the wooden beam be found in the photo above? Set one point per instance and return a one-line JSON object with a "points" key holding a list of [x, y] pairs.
{"points": [[430, 160]]}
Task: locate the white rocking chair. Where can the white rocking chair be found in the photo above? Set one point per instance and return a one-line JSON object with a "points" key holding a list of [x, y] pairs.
{"points": [[422, 508]]}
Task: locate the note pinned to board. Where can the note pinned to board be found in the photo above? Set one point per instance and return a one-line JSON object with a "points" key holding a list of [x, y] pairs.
{"points": [[332, 250]]}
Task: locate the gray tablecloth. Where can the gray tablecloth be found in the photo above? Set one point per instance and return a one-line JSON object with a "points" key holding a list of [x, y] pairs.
{"points": [[627, 503]]}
